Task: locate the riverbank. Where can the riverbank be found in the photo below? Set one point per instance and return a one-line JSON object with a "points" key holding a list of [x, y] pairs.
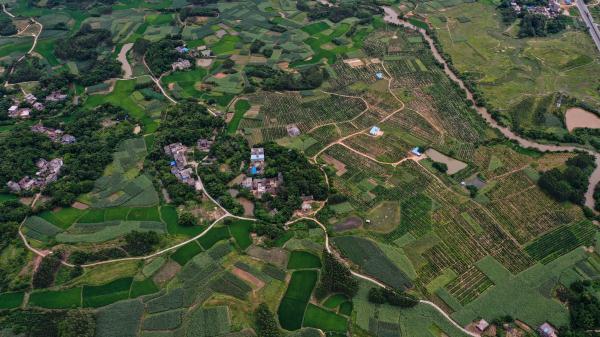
{"points": [[390, 16]]}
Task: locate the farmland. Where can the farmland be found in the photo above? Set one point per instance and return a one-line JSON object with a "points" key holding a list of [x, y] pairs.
{"points": [[361, 107]]}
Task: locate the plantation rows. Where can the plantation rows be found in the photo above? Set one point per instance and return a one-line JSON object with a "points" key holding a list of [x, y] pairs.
{"points": [[346, 75], [562, 240], [497, 160], [414, 124], [386, 148], [282, 109], [469, 285]]}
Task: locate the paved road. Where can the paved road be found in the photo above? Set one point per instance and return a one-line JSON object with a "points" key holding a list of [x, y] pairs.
{"points": [[589, 21]]}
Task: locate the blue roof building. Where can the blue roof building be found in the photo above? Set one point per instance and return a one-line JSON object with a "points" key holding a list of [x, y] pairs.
{"points": [[416, 151], [173, 163], [374, 131], [253, 170], [379, 75]]}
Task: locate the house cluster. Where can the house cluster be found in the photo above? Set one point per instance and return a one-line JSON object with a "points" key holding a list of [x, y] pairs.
{"points": [[552, 10], [204, 51], [181, 64], [16, 112], [260, 186], [56, 135], [545, 330], [47, 172], [177, 151]]}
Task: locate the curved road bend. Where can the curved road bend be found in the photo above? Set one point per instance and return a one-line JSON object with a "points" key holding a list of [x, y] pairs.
{"points": [[392, 17]]}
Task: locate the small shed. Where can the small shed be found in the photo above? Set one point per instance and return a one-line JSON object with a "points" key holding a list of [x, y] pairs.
{"points": [[482, 325], [379, 75], [416, 151], [375, 131]]}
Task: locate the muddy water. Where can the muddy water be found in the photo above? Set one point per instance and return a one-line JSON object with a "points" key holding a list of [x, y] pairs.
{"points": [[579, 118], [453, 164], [391, 16]]}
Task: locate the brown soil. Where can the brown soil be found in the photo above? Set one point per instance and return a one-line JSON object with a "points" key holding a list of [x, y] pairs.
{"points": [[80, 205], [256, 283], [276, 256], [248, 206], [220, 76], [340, 167], [348, 223], [166, 273]]}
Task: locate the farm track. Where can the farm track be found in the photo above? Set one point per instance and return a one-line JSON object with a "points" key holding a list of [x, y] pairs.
{"points": [[35, 36]]}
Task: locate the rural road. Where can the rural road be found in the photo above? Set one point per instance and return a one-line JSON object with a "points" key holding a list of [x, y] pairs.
{"points": [[392, 17], [589, 21]]}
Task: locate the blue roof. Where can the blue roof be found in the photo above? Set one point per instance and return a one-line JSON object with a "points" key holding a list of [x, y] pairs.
{"points": [[374, 130], [379, 75], [416, 151], [253, 170], [173, 163]]}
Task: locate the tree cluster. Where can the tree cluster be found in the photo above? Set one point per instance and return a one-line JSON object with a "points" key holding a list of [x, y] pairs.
{"points": [[266, 325], [336, 278], [28, 69], [46, 272], [584, 309], [77, 323], [7, 27], [300, 178], [84, 44], [392, 297], [48, 323], [274, 79], [571, 183], [80, 257], [140, 243], [161, 54], [360, 9]]}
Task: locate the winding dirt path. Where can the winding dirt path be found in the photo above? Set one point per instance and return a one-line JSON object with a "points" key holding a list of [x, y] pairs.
{"points": [[122, 57]]}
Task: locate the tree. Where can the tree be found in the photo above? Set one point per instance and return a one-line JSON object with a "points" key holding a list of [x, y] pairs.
{"points": [[376, 296], [187, 219], [140, 243], [440, 167], [266, 325], [77, 323], [392, 297], [228, 64], [336, 277], [7, 27], [45, 273]]}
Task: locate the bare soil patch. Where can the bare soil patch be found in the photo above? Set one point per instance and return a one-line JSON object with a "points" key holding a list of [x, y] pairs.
{"points": [[340, 167], [348, 223], [166, 273], [80, 205], [248, 206], [204, 63], [276, 256], [256, 283], [579, 118]]}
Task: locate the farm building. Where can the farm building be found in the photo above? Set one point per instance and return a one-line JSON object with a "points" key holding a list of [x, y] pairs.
{"points": [[293, 130], [181, 64], [56, 135], [416, 151], [56, 96], [260, 186], [30, 98], [48, 172], [38, 106], [375, 131], [482, 325], [379, 75], [547, 330], [204, 144], [182, 49]]}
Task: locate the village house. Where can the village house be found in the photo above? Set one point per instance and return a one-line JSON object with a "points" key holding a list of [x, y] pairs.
{"points": [[260, 186], [56, 135], [38, 106], [177, 151], [482, 325], [547, 330], [181, 64], [182, 49], [47, 173], [16, 112], [306, 206], [292, 130], [56, 96], [30, 98], [375, 131], [206, 53], [204, 144], [257, 160]]}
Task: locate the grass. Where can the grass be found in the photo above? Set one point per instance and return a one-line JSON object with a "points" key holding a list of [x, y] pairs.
{"points": [[141, 288], [240, 231], [226, 45], [56, 299], [292, 306], [303, 260], [317, 317], [187, 81], [213, 236], [186, 252], [11, 300], [98, 296], [170, 217], [315, 28], [121, 96], [334, 301], [144, 214], [241, 106]]}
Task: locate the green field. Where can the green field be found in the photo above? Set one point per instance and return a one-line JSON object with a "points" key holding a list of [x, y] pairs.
{"points": [[98, 296], [185, 253], [11, 300], [303, 260], [213, 236], [292, 306], [323, 319], [60, 299], [240, 231]]}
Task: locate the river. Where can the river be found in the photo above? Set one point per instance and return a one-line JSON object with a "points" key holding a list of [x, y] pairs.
{"points": [[390, 16]]}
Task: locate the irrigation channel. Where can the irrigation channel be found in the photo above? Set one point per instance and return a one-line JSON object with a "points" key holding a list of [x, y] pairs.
{"points": [[391, 16]]}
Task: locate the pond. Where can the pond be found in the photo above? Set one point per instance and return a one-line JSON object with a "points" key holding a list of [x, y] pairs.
{"points": [[579, 118], [453, 164]]}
